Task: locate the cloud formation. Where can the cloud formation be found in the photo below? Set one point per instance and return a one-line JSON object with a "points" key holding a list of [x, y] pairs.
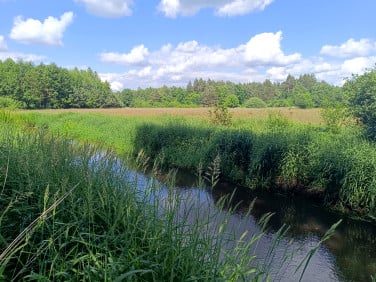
{"points": [[351, 48], [107, 8], [258, 59], [265, 49], [174, 8], [16, 56], [49, 32], [135, 57], [190, 59], [3, 44]]}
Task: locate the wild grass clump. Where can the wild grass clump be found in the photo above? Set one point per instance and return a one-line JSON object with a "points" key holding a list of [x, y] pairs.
{"points": [[71, 212], [337, 168]]}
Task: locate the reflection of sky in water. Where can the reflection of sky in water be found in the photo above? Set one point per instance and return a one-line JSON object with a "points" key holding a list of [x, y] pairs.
{"points": [[307, 225]]}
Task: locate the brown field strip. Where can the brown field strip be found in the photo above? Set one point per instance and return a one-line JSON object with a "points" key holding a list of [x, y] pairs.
{"points": [[300, 115]]}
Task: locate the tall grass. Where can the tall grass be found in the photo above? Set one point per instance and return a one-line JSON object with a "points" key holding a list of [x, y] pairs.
{"points": [[336, 166], [71, 212]]}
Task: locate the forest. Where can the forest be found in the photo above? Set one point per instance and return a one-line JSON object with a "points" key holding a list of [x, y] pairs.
{"points": [[28, 86]]}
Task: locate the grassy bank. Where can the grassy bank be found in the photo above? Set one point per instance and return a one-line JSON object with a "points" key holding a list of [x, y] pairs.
{"points": [[70, 212], [332, 164], [338, 169]]}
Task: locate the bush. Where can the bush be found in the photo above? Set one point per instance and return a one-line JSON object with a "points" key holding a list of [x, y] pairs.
{"points": [[10, 103], [362, 92], [254, 102]]}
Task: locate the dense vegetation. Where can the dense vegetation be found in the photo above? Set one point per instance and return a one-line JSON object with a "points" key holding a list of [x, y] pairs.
{"points": [[338, 168], [332, 163], [24, 85], [303, 92], [71, 212]]}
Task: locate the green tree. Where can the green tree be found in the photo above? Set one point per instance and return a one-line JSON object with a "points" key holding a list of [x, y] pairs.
{"points": [[255, 102], [361, 90], [232, 101], [301, 97]]}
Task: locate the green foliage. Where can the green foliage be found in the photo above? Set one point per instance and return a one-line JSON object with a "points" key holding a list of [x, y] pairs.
{"points": [[335, 166], [234, 148], [9, 103], [335, 118], [82, 219], [220, 115], [254, 102], [49, 86], [231, 101], [362, 92]]}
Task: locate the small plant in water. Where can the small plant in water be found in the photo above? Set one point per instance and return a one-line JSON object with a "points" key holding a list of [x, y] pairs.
{"points": [[213, 172]]}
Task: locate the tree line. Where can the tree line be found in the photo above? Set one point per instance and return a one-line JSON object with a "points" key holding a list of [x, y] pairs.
{"points": [[25, 85], [303, 92]]}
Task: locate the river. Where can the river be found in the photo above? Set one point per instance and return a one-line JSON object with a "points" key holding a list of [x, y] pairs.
{"points": [[349, 255]]}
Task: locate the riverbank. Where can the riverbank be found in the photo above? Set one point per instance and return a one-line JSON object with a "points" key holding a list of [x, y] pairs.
{"points": [[73, 212], [333, 165]]}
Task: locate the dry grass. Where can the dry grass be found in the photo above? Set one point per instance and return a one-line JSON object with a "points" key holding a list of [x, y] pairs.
{"points": [[300, 115]]}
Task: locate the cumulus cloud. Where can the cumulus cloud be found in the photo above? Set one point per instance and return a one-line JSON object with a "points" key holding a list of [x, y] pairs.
{"points": [[48, 32], [265, 49], [188, 60], [261, 57], [358, 65], [3, 44], [351, 48], [16, 56], [107, 8], [173, 8], [135, 57]]}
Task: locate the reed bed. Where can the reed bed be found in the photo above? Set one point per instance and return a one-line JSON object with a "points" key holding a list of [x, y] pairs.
{"points": [[71, 212]]}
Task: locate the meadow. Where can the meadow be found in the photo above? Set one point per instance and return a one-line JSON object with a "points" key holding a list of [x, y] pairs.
{"points": [[72, 212], [78, 220], [293, 114], [291, 151]]}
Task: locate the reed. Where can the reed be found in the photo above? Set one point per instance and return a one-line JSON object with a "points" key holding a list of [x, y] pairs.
{"points": [[73, 212]]}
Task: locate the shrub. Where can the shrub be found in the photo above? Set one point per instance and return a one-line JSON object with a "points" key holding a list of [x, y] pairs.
{"points": [[362, 92], [10, 103], [254, 102]]}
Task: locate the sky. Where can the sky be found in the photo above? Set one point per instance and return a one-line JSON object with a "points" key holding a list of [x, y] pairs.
{"points": [[151, 43]]}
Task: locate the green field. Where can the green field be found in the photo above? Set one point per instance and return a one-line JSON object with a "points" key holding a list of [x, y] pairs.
{"points": [[330, 162], [67, 215]]}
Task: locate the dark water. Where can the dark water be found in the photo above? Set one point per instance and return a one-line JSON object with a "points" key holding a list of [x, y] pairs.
{"points": [[349, 255]]}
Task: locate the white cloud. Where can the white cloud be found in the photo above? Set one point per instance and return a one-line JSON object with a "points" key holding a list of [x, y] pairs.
{"points": [[265, 49], [107, 8], [20, 56], [173, 8], [262, 57], [242, 7], [357, 65], [48, 32], [135, 57], [351, 48], [188, 60], [3, 44]]}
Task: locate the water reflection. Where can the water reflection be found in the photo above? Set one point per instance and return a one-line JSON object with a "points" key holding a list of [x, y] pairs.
{"points": [[349, 255]]}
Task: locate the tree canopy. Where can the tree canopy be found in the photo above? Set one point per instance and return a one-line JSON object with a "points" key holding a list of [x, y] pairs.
{"points": [[25, 85], [361, 90], [49, 86]]}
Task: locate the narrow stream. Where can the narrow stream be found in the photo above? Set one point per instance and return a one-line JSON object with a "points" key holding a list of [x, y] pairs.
{"points": [[349, 255]]}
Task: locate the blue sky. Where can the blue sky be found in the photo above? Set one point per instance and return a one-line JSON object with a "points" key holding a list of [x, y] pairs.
{"points": [[142, 43]]}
